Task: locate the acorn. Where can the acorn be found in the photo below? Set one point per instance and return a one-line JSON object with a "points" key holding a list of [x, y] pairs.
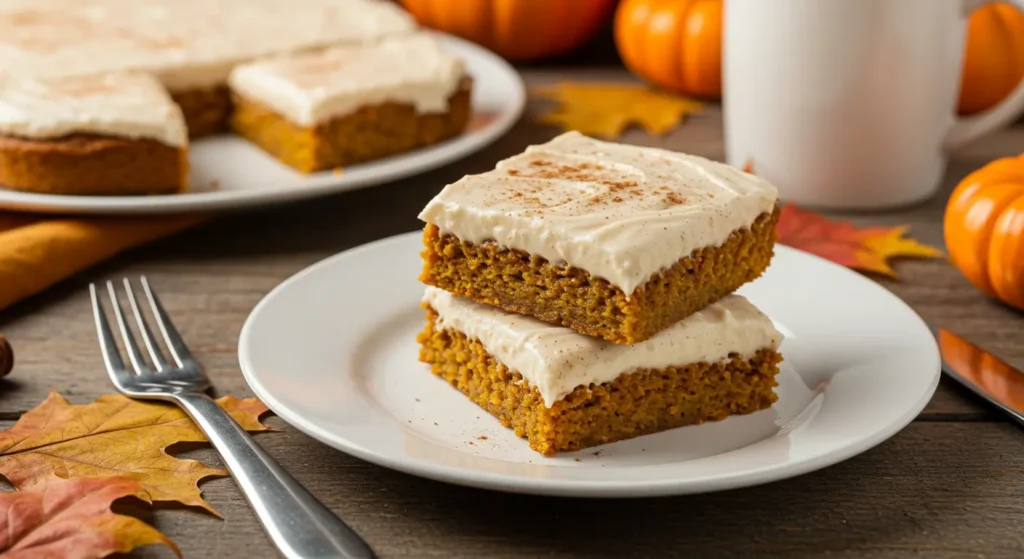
{"points": [[6, 356]]}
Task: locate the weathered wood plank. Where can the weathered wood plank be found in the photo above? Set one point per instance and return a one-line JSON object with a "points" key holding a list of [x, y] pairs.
{"points": [[934, 490]]}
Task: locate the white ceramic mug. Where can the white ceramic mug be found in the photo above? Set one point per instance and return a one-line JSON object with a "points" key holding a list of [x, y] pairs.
{"points": [[849, 104]]}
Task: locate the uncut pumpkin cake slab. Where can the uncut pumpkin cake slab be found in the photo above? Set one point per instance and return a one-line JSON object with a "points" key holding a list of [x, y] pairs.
{"points": [[191, 51]]}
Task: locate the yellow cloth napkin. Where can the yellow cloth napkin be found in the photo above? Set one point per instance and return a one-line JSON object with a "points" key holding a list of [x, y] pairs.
{"points": [[38, 251]]}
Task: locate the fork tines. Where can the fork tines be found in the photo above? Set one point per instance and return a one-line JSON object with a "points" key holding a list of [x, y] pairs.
{"points": [[112, 356]]}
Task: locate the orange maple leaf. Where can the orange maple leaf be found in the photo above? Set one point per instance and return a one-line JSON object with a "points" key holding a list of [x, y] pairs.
{"points": [[71, 519], [112, 436], [604, 110], [839, 241]]}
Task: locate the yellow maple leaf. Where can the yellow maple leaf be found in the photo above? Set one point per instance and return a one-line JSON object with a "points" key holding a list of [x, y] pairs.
{"points": [[116, 436], [604, 110], [883, 243]]}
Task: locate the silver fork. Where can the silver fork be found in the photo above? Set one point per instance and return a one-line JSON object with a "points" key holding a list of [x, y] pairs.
{"points": [[298, 524]]}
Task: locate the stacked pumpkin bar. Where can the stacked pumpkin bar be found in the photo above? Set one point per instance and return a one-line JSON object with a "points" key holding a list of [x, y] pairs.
{"points": [[582, 291]]}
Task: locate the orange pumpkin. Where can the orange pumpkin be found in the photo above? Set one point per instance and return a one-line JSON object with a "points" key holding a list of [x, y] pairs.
{"points": [[676, 44], [984, 227], [993, 58], [518, 30]]}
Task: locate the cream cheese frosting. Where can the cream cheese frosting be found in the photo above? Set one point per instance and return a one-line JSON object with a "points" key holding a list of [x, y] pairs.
{"points": [[189, 44], [617, 211], [134, 106], [310, 88], [556, 359]]}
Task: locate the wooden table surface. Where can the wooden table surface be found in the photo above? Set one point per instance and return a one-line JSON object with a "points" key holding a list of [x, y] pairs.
{"points": [[949, 485]]}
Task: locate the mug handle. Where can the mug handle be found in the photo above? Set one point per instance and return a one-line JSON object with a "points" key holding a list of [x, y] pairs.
{"points": [[966, 130]]}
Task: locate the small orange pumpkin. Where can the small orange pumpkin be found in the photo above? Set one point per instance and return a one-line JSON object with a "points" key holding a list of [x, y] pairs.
{"points": [[518, 30], [984, 228], [993, 57], [675, 44]]}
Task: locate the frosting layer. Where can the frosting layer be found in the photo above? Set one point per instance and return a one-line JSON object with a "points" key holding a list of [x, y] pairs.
{"points": [[556, 359], [310, 88], [620, 212], [133, 106], [187, 43]]}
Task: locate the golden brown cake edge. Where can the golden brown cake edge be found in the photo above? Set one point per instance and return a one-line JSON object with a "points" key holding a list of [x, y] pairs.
{"points": [[88, 164]]}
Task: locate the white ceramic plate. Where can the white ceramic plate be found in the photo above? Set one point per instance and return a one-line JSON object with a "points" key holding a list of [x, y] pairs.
{"points": [[230, 173], [332, 350]]}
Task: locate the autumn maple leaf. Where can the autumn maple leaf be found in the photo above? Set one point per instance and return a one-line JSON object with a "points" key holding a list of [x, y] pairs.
{"points": [[866, 249], [71, 519], [116, 436], [605, 109]]}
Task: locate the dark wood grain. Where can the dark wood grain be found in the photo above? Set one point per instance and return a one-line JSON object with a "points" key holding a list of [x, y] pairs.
{"points": [[949, 485], [939, 490]]}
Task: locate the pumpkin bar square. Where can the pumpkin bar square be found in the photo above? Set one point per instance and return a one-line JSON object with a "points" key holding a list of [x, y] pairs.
{"points": [[110, 134], [611, 240], [563, 391], [351, 104]]}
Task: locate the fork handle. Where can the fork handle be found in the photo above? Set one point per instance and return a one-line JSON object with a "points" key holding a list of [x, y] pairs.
{"points": [[296, 522]]}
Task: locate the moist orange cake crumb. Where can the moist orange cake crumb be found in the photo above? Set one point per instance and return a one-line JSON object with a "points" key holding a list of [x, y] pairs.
{"points": [[206, 110]]}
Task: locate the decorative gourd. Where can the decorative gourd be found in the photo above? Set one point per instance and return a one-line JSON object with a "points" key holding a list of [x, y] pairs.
{"points": [[993, 58], [984, 228], [675, 44], [518, 30]]}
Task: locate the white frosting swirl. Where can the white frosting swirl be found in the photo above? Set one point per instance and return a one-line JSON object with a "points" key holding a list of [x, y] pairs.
{"points": [[310, 88], [556, 359], [620, 212], [134, 106]]}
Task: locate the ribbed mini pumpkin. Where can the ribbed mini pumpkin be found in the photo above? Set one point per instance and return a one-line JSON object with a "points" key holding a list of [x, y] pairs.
{"points": [[518, 30], [984, 228], [675, 44], [993, 57]]}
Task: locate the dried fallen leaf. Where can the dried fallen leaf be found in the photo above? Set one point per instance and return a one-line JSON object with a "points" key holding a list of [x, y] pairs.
{"points": [[605, 109], [115, 435], [71, 519], [883, 243], [839, 241]]}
